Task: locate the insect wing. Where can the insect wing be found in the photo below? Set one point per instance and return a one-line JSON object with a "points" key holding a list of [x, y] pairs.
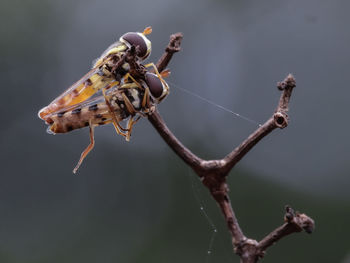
{"points": [[82, 90], [116, 47]]}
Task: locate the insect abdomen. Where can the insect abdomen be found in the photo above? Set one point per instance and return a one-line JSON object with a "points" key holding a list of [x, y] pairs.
{"points": [[77, 118], [95, 112]]}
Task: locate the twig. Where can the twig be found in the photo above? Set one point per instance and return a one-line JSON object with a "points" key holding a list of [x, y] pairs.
{"points": [[278, 120], [173, 47], [213, 173], [184, 153], [294, 222]]}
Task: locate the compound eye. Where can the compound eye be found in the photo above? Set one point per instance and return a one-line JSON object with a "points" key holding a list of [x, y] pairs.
{"points": [[138, 39], [154, 84]]}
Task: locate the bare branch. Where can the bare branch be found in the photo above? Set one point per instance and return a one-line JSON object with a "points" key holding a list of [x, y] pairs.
{"points": [[232, 223], [278, 120], [213, 173], [216, 183], [294, 222], [185, 154], [173, 47], [239, 152]]}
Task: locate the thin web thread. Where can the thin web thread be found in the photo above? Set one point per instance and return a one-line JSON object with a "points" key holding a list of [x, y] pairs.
{"points": [[213, 227], [215, 104]]}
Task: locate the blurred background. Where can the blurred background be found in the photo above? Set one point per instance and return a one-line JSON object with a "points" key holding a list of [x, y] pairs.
{"points": [[137, 201]]}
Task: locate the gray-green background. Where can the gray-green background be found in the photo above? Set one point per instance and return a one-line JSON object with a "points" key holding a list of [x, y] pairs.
{"points": [[136, 201]]}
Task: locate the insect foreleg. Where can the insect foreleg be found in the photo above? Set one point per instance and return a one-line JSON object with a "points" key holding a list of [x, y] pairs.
{"points": [[127, 75], [129, 86], [145, 100], [154, 68]]}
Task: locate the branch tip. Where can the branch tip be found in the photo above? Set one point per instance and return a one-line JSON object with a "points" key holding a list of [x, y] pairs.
{"points": [[289, 214], [302, 221], [288, 83], [172, 47], [175, 43], [294, 222]]}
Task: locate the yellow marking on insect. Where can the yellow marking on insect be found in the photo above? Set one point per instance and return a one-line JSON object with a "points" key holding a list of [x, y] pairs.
{"points": [[78, 92], [124, 96], [102, 73], [114, 50]]}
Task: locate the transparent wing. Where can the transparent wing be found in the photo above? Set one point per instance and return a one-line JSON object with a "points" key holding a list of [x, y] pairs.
{"points": [[80, 91], [96, 79], [99, 100], [114, 48]]}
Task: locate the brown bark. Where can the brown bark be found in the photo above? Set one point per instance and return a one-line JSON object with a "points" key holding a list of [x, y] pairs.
{"points": [[213, 173]]}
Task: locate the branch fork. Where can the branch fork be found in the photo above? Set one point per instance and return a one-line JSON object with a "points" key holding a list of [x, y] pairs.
{"points": [[213, 173]]}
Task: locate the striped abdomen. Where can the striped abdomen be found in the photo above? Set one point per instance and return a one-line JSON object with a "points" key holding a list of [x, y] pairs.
{"points": [[94, 111]]}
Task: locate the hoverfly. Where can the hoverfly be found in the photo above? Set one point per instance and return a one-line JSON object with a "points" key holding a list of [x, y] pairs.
{"points": [[128, 100], [110, 67]]}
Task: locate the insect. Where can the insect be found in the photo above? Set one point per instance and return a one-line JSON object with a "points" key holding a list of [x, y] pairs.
{"points": [[109, 68], [128, 100]]}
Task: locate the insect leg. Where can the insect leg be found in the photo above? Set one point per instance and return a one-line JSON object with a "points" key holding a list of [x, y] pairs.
{"points": [[116, 124], [132, 111], [88, 149], [127, 75], [118, 128], [154, 68], [131, 122], [145, 99], [129, 86], [129, 105]]}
